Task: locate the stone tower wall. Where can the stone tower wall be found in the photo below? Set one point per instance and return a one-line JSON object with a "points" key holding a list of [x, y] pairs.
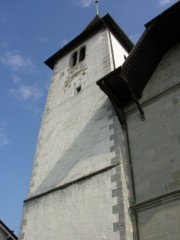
{"points": [[78, 187]]}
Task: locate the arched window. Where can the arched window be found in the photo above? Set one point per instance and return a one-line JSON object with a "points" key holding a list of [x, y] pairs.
{"points": [[82, 54]]}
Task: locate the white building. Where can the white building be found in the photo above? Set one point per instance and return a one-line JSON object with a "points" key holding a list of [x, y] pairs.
{"points": [[103, 168]]}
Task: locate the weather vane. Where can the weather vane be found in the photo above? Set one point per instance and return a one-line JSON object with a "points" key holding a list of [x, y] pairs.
{"points": [[97, 7]]}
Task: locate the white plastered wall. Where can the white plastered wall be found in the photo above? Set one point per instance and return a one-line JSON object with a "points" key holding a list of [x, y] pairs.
{"points": [[70, 143], [77, 139], [119, 51]]}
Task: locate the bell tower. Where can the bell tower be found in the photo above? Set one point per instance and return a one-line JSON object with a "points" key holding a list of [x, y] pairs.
{"points": [[79, 187]]}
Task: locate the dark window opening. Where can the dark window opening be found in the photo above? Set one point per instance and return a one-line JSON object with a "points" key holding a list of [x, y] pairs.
{"points": [[74, 59], [82, 54], [78, 89]]}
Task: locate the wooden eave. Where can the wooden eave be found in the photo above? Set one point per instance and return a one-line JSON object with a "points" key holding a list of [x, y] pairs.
{"points": [[160, 35], [93, 27], [10, 234]]}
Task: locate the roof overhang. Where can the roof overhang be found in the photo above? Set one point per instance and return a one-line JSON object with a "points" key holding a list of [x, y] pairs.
{"points": [[93, 27], [111, 86], [161, 33], [9, 234]]}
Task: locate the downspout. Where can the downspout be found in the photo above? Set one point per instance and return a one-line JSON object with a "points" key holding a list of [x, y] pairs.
{"points": [[123, 121], [131, 91], [132, 179], [111, 46], [118, 110]]}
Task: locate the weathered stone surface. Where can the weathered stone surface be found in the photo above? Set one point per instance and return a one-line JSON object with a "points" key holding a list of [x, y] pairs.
{"points": [[160, 222], [155, 150], [81, 211], [78, 150]]}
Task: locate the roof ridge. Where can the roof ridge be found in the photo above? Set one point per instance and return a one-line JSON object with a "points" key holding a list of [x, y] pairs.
{"points": [[92, 22]]}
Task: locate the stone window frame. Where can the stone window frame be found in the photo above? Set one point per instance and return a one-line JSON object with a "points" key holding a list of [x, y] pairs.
{"points": [[73, 59], [82, 53], [78, 56]]}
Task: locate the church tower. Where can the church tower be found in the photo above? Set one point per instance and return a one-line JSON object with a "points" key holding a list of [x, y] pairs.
{"points": [[80, 187], [107, 159]]}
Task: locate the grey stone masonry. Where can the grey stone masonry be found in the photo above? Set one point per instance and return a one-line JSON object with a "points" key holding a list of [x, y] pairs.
{"points": [[161, 223], [155, 150]]}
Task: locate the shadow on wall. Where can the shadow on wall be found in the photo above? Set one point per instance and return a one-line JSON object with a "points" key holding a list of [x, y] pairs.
{"points": [[92, 140]]}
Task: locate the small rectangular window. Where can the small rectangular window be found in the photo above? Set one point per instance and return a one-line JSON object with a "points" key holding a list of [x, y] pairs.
{"points": [[82, 54], [74, 59], [78, 89]]}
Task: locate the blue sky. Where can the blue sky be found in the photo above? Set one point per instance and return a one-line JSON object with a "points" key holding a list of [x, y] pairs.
{"points": [[31, 31]]}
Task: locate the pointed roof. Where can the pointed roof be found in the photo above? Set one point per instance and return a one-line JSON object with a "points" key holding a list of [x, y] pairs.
{"points": [[93, 27], [94, 21]]}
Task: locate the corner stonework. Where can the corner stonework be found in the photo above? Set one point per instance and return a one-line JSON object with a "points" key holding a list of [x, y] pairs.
{"points": [[120, 178]]}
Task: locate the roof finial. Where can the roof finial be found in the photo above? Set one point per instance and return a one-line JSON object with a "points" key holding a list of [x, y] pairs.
{"points": [[97, 7]]}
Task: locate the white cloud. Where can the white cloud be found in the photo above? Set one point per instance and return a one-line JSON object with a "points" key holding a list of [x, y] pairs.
{"points": [[16, 78], [84, 3], [4, 140], [26, 92], [34, 109], [15, 60], [166, 2]]}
